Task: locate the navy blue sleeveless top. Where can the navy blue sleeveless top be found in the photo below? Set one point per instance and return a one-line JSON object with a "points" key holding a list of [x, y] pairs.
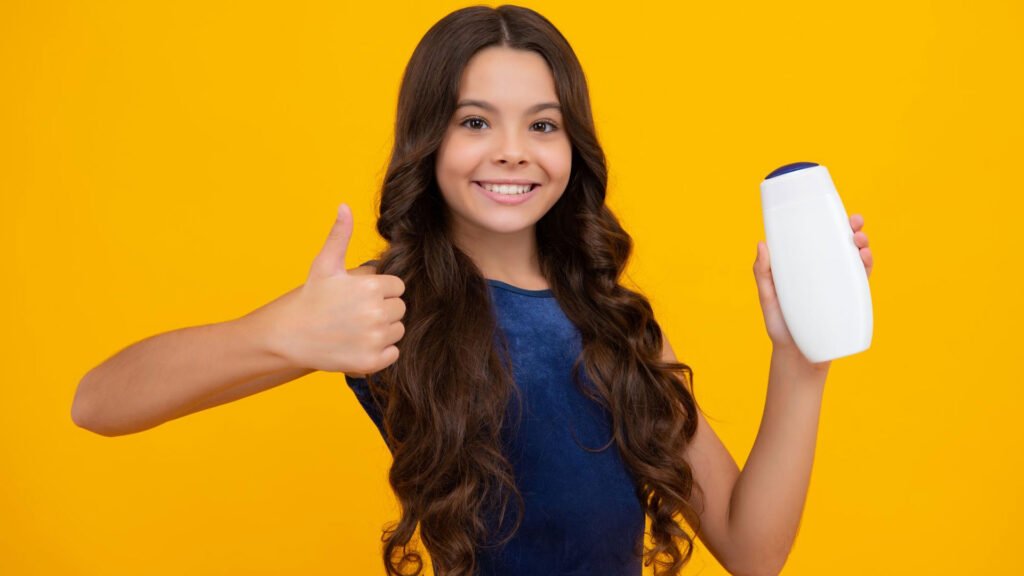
{"points": [[582, 512]]}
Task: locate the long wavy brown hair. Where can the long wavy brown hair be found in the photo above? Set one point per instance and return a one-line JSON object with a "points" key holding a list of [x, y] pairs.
{"points": [[445, 400]]}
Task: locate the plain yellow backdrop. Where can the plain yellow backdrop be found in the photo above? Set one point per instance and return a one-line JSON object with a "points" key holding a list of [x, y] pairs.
{"points": [[173, 164]]}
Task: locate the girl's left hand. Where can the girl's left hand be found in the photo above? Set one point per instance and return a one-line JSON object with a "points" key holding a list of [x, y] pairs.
{"points": [[773, 321]]}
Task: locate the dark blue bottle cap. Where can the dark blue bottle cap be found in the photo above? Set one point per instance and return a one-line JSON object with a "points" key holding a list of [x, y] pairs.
{"points": [[790, 168]]}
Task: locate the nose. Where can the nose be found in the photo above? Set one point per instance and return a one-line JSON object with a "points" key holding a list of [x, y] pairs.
{"points": [[510, 150]]}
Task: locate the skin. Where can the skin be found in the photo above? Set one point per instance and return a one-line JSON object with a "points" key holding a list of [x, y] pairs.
{"points": [[749, 518], [509, 141], [774, 323]]}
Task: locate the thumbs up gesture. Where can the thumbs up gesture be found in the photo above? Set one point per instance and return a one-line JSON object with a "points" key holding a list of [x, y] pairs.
{"points": [[341, 321]]}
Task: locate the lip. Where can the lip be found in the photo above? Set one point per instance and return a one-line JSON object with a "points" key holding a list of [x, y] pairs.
{"points": [[509, 181], [508, 200]]}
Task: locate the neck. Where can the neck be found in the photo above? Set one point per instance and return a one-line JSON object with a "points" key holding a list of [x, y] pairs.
{"points": [[509, 257]]}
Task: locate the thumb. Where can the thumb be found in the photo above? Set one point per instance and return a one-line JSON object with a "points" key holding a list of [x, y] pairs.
{"points": [[763, 271], [331, 259], [762, 264]]}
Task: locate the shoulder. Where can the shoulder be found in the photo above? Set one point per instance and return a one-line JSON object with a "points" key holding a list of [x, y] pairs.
{"points": [[667, 353]]}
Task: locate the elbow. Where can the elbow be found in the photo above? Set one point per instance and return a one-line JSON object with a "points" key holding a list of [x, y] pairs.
{"points": [[83, 420], [83, 412], [756, 572], [77, 416], [79, 410], [759, 556], [758, 567]]}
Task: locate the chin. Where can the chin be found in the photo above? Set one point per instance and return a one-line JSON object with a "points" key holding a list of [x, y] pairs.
{"points": [[509, 225]]}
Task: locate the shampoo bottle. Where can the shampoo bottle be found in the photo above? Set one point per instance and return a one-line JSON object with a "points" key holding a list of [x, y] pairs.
{"points": [[819, 276]]}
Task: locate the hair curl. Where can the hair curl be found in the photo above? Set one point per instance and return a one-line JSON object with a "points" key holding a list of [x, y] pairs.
{"points": [[444, 401]]}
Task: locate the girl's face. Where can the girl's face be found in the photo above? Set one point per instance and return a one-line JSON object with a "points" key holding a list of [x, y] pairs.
{"points": [[507, 128]]}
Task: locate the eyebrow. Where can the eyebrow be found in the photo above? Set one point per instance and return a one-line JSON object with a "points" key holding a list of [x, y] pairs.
{"points": [[490, 107]]}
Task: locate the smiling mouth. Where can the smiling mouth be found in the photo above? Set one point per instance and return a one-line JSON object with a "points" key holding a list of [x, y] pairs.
{"points": [[507, 189]]}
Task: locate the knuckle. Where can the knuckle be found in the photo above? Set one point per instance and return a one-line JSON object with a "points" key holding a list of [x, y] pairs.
{"points": [[369, 316], [372, 285]]}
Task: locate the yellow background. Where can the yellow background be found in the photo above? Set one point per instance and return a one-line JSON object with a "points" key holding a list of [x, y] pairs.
{"points": [[176, 164]]}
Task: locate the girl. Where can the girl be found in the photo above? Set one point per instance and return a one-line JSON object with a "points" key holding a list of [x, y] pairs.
{"points": [[493, 205], [536, 413]]}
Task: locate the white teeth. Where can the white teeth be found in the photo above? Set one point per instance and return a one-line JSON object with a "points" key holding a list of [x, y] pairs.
{"points": [[507, 188]]}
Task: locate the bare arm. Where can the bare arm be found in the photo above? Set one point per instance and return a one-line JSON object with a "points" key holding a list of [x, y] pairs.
{"points": [[184, 371], [180, 372], [768, 499], [749, 519]]}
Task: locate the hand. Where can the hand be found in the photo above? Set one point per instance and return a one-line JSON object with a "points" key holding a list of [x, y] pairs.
{"points": [[339, 321], [773, 321]]}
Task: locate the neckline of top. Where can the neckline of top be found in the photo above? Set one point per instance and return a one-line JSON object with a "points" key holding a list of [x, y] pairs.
{"points": [[545, 293]]}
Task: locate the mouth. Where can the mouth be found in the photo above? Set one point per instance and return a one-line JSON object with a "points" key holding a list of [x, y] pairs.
{"points": [[507, 193], [510, 188]]}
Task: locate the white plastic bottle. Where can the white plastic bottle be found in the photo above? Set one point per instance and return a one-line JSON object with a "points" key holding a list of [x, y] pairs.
{"points": [[819, 276]]}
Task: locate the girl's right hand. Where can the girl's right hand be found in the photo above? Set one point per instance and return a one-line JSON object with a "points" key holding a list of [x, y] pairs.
{"points": [[340, 321]]}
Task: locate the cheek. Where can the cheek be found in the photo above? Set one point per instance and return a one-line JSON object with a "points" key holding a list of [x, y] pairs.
{"points": [[457, 163], [557, 161], [459, 158]]}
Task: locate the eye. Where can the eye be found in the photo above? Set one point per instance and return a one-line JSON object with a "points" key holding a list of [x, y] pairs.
{"points": [[474, 119], [549, 124]]}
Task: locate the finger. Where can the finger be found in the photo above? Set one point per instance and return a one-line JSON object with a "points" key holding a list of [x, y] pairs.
{"points": [[389, 356], [868, 259], [394, 309], [860, 239], [391, 286], [395, 332], [856, 222], [331, 259], [762, 271]]}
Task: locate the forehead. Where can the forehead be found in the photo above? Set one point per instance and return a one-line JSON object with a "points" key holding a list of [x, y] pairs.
{"points": [[508, 77]]}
